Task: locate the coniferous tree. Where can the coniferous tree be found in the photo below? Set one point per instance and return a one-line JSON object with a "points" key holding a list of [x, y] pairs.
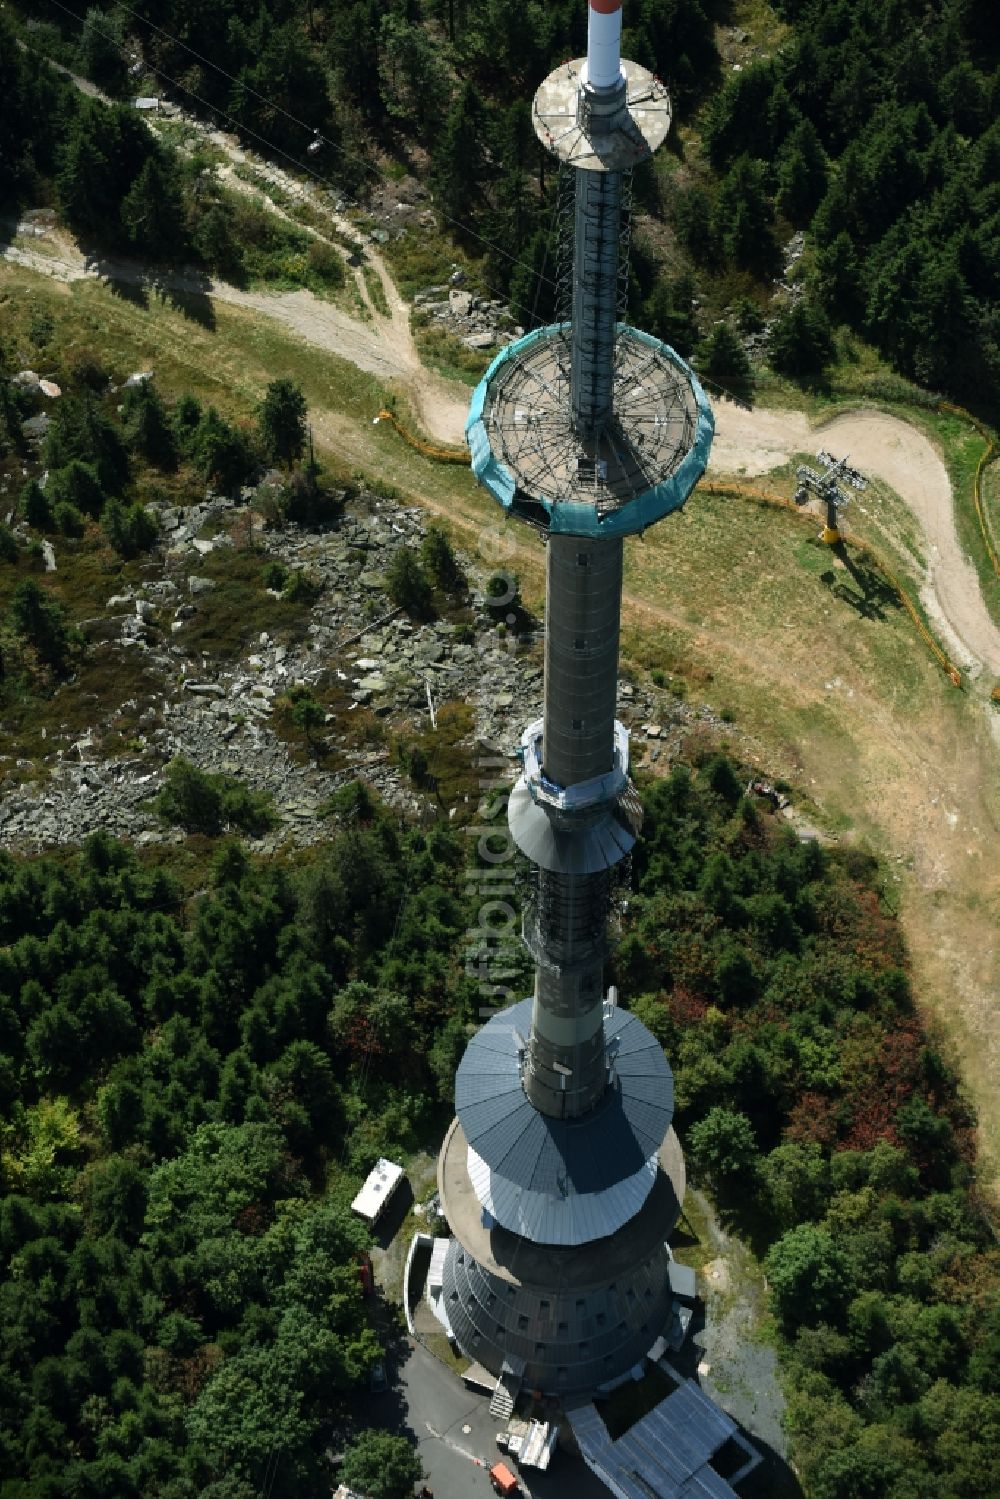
{"points": [[80, 430], [354, 49], [77, 485], [152, 212], [43, 623], [68, 520], [101, 50], [9, 549], [415, 83], [725, 360], [222, 451], [190, 798], [668, 313], [281, 83], [215, 242], [407, 585], [742, 217], [282, 421], [693, 224], [148, 427], [35, 506], [801, 341], [837, 278], [130, 529], [187, 418], [457, 162], [533, 281], [801, 174], [439, 561], [85, 183]]}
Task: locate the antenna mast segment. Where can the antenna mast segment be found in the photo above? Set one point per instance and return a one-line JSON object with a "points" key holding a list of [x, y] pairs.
{"points": [[603, 68], [591, 431]]}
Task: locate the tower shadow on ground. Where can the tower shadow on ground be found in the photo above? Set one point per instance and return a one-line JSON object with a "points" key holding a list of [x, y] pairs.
{"points": [[872, 594]]}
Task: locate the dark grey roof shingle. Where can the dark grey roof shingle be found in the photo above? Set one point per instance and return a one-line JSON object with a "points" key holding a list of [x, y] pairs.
{"points": [[590, 1154]]}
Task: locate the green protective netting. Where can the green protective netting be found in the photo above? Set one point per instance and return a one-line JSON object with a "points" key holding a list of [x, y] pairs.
{"points": [[572, 518]]}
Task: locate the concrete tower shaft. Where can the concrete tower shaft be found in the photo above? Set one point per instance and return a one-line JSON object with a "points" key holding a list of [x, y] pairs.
{"points": [[566, 1070], [583, 614]]}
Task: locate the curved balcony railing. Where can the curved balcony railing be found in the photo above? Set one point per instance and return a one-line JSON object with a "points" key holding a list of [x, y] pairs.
{"points": [[584, 796]]}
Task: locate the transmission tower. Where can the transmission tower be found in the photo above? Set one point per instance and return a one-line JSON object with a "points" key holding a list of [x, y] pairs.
{"points": [[561, 1175], [826, 487]]}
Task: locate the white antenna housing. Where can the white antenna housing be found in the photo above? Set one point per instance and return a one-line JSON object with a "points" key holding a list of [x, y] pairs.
{"points": [[604, 44]]}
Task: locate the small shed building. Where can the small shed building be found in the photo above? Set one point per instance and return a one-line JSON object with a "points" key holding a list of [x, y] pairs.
{"points": [[383, 1181]]}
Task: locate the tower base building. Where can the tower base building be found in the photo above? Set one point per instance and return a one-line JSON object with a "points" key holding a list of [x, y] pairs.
{"points": [[557, 1273]]}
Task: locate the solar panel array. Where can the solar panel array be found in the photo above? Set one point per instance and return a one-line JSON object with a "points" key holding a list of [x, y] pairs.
{"points": [[667, 1454]]}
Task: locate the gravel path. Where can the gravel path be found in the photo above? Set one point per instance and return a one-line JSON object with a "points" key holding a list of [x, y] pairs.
{"points": [[382, 346]]}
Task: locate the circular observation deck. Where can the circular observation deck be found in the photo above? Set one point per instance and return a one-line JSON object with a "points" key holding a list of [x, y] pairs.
{"points": [[563, 1181], [642, 466], [614, 141]]}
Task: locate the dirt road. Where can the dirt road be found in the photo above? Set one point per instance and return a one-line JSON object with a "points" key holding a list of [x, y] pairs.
{"points": [[747, 443], [382, 346]]}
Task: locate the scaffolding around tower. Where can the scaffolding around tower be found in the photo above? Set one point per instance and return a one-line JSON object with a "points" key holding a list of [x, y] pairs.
{"points": [[639, 467]]}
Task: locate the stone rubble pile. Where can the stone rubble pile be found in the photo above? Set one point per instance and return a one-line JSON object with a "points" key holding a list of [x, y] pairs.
{"points": [[479, 323], [396, 207], [80, 799], [217, 713]]}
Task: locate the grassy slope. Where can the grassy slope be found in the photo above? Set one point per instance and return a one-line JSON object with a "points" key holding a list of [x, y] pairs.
{"points": [[764, 624]]}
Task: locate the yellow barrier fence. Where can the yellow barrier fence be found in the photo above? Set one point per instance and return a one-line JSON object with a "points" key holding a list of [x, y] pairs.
{"points": [[440, 455]]}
